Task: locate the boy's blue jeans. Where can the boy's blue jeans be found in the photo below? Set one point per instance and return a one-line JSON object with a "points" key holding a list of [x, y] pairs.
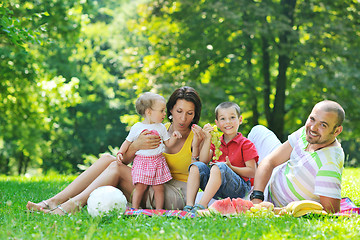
{"points": [[232, 185]]}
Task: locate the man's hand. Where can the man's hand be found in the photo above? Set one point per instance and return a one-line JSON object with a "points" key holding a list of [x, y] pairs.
{"points": [[256, 201], [331, 205]]}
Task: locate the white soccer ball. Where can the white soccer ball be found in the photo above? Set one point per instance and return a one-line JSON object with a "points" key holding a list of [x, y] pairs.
{"points": [[104, 199]]}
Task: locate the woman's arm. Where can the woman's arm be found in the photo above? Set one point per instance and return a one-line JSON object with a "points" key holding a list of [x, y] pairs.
{"points": [[205, 152], [146, 140], [198, 140]]}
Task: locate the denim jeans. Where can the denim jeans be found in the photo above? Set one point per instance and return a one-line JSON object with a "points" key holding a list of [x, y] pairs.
{"points": [[232, 185]]}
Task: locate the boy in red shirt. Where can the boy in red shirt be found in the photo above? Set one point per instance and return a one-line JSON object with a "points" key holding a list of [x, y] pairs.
{"points": [[230, 175]]}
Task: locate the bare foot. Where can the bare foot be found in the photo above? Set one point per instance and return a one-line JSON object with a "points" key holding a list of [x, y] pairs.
{"points": [[69, 206], [37, 206]]}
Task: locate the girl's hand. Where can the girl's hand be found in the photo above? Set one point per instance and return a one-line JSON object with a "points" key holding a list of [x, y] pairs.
{"points": [[146, 140], [119, 158], [176, 134]]}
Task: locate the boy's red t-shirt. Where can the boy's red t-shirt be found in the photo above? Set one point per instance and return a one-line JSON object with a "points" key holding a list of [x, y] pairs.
{"points": [[239, 150]]}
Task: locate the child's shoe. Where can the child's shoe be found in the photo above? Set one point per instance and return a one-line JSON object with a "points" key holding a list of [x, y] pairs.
{"points": [[197, 207], [188, 208]]}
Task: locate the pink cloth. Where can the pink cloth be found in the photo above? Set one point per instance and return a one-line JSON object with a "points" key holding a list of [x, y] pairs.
{"points": [[347, 206], [150, 170]]}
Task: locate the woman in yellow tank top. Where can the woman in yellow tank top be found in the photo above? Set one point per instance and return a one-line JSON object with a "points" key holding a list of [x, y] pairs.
{"points": [[183, 109]]}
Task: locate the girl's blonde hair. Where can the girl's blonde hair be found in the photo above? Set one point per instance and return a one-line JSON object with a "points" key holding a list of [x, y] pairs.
{"points": [[146, 101]]}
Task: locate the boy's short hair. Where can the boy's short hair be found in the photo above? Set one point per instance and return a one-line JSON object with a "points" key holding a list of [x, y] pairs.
{"points": [[146, 101], [227, 105]]}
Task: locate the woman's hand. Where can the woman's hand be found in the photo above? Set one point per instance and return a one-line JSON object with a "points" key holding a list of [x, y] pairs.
{"points": [[146, 140], [198, 136], [197, 140]]}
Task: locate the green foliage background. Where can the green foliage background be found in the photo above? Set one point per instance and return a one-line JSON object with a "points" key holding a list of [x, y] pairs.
{"points": [[71, 69]]}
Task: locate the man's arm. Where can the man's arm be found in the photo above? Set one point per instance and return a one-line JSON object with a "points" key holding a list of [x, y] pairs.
{"points": [[267, 165], [331, 205]]}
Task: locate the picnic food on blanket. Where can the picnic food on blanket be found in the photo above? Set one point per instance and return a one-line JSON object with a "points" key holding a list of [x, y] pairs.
{"points": [[105, 199], [223, 206], [215, 139], [267, 205], [235, 206], [229, 206], [241, 205], [262, 209], [303, 207]]}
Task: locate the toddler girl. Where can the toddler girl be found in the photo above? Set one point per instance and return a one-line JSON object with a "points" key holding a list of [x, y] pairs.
{"points": [[149, 166]]}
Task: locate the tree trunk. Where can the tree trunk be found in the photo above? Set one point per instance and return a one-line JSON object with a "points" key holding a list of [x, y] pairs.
{"points": [[278, 114], [266, 77], [249, 50], [250, 79], [21, 160]]}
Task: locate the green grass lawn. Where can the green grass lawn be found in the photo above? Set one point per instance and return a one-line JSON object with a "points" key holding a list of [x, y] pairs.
{"points": [[16, 223]]}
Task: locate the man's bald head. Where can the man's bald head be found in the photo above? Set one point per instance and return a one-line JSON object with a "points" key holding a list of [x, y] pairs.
{"points": [[332, 106]]}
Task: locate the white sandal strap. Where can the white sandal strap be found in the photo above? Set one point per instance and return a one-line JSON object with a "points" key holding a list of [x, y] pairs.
{"points": [[63, 210], [46, 204]]}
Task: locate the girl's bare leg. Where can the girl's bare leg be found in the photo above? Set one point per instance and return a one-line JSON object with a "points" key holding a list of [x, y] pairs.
{"points": [[193, 185], [212, 186], [138, 194], [77, 186], [114, 175], [159, 196]]}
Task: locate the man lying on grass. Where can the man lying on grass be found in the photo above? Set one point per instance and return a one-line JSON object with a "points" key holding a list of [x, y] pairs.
{"points": [[307, 166]]}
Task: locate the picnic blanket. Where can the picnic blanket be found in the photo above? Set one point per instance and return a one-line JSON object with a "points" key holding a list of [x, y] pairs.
{"points": [[164, 213], [347, 207]]}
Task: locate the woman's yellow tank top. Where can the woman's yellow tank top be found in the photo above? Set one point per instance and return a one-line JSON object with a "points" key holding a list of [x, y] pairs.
{"points": [[179, 162]]}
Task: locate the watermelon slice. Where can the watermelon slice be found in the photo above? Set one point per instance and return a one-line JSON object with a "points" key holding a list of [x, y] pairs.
{"points": [[229, 206], [223, 206], [241, 205]]}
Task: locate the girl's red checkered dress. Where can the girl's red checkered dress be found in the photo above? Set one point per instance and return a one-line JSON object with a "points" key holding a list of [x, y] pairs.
{"points": [[150, 170]]}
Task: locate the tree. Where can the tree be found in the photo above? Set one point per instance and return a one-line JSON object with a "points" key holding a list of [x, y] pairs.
{"points": [[63, 97], [29, 110], [256, 53]]}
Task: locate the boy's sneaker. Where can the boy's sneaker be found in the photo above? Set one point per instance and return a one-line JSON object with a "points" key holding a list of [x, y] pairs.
{"points": [[188, 208], [197, 207]]}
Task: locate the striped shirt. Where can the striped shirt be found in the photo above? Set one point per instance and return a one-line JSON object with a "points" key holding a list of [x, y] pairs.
{"points": [[307, 175]]}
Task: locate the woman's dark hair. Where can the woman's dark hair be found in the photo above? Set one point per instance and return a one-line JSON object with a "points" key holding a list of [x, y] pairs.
{"points": [[189, 94]]}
